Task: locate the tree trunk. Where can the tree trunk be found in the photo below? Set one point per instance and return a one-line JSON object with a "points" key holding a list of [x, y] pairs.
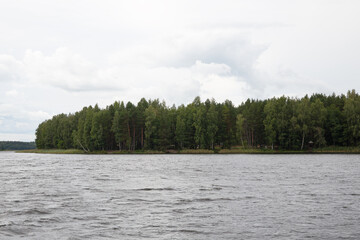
{"points": [[133, 136], [302, 142], [83, 147], [252, 137], [142, 137], [129, 141]]}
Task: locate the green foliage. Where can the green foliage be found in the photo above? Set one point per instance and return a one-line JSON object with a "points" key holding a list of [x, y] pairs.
{"points": [[352, 116], [180, 132], [240, 120], [253, 127], [16, 145], [120, 127], [151, 127], [211, 125], [270, 122], [281, 123], [199, 124], [53, 151], [196, 151]]}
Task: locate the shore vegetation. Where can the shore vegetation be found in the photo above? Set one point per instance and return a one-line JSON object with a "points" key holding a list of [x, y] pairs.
{"points": [[316, 123]]}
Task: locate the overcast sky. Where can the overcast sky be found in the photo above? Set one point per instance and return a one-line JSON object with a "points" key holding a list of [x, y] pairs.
{"points": [[59, 56]]}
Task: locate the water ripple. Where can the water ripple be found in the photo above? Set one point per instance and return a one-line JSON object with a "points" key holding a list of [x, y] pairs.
{"points": [[179, 196]]}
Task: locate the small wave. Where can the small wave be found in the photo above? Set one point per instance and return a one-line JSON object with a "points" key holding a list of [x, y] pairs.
{"points": [[210, 189], [184, 201], [222, 186], [179, 210], [315, 217], [183, 210], [53, 195], [141, 200], [249, 197], [36, 211], [155, 189], [104, 179], [190, 231], [49, 220], [6, 224], [152, 226], [14, 231], [204, 200], [86, 218]]}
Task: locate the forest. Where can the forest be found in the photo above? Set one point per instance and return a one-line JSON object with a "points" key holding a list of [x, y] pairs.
{"points": [[277, 123], [16, 145]]}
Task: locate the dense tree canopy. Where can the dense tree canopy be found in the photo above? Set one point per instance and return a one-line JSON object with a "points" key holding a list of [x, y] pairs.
{"points": [[283, 123], [16, 145]]}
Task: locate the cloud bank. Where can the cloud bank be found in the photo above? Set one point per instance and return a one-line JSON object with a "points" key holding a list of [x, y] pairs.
{"points": [[62, 56]]}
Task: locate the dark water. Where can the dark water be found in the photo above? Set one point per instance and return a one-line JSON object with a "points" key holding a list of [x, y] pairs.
{"points": [[179, 196]]}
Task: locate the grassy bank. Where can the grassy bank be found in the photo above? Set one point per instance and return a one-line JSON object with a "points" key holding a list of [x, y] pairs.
{"points": [[236, 150], [325, 150], [195, 151], [52, 151], [332, 149], [78, 151]]}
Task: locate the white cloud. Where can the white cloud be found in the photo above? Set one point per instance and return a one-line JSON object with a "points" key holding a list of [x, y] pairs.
{"points": [[15, 121], [12, 93], [10, 68], [181, 64], [16, 137], [38, 115], [63, 69], [21, 125]]}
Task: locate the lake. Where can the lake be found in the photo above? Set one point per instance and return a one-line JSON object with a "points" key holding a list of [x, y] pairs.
{"points": [[179, 196]]}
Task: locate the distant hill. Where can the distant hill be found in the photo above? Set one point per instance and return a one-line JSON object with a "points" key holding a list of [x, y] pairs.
{"points": [[15, 145]]}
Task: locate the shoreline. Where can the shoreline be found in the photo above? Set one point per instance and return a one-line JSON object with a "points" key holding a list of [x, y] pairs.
{"points": [[342, 150]]}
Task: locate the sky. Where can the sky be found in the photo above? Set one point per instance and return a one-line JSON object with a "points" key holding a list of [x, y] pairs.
{"points": [[59, 56]]}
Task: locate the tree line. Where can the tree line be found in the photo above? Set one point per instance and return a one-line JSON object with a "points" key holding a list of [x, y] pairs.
{"points": [[282, 123], [16, 145]]}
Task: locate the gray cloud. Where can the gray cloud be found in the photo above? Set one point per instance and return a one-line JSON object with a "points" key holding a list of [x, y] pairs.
{"points": [[100, 52], [10, 68]]}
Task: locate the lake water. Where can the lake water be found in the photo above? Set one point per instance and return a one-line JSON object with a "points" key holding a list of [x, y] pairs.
{"points": [[179, 196]]}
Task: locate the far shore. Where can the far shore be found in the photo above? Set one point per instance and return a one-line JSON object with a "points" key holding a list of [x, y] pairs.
{"points": [[326, 150]]}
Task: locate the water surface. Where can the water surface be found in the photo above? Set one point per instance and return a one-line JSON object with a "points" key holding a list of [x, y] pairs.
{"points": [[179, 196]]}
